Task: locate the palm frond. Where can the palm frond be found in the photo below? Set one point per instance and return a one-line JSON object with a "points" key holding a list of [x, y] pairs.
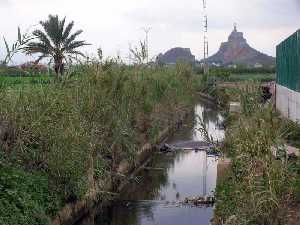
{"points": [[72, 37], [61, 28], [51, 27], [37, 47], [74, 44], [42, 37], [67, 31]]}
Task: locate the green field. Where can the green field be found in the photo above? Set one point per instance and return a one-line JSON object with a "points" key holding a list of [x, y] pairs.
{"points": [[10, 81], [255, 77], [17, 81]]}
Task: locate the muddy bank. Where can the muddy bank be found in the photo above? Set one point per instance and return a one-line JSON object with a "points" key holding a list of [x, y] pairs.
{"points": [[74, 211]]}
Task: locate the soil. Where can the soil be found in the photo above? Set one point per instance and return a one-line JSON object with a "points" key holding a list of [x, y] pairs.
{"points": [[293, 214]]}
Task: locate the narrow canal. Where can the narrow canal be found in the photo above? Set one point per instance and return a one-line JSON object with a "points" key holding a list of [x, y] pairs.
{"points": [[154, 197]]}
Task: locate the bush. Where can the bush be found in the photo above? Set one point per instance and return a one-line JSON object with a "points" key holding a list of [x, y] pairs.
{"points": [[12, 72], [25, 197], [25, 70], [292, 132]]}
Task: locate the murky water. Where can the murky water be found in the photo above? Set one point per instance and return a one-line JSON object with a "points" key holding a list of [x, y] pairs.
{"points": [[154, 197]]}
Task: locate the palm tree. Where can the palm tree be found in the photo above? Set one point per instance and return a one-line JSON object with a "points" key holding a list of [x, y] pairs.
{"points": [[55, 41]]}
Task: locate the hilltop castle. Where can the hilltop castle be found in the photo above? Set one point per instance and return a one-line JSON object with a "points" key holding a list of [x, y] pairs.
{"points": [[237, 51]]}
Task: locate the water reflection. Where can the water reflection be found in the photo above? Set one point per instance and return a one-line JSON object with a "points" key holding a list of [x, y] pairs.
{"points": [[155, 199], [212, 120]]}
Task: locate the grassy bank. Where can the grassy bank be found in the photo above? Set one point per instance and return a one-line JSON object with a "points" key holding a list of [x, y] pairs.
{"points": [[67, 137], [258, 188]]}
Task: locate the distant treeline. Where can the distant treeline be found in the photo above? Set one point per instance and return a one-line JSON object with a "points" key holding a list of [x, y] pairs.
{"points": [[25, 70], [239, 70], [31, 69]]}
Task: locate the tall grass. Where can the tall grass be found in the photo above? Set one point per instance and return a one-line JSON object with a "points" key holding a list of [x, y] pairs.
{"points": [[65, 129], [258, 185]]}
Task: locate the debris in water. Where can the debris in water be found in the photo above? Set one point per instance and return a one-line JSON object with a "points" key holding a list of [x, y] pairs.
{"points": [[165, 148], [191, 145], [186, 145], [199, 201]]}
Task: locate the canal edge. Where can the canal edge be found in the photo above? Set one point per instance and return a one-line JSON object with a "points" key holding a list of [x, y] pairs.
{"points": [[73, 212]]}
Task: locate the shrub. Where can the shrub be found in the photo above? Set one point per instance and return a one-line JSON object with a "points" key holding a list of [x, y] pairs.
{"points": [[25, 197]]}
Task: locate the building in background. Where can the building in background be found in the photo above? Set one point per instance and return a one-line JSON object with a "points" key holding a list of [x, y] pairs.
{"points": [[288, 77]]}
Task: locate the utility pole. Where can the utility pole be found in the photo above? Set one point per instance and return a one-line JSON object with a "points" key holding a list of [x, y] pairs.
{"points": [[205, 39], [147, 30]]}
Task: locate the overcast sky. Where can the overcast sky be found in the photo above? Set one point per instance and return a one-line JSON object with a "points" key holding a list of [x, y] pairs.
{"points": [[114, 24]]}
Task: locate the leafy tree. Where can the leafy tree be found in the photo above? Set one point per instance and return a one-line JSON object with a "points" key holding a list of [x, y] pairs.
{"points": [[55, 41]]}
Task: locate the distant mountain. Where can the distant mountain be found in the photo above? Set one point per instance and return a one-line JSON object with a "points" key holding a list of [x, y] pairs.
{"points": [[237, 51], [176, 54]]}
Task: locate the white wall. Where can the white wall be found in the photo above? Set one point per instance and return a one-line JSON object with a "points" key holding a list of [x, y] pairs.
{"points": [[288, 102]]}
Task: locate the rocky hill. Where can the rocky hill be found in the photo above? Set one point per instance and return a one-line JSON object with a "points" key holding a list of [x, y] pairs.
{"points": [[176, 54], [237, 51]]}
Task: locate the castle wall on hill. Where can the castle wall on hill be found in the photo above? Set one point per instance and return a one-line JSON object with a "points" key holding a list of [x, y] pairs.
{"points": [[237, 51]]}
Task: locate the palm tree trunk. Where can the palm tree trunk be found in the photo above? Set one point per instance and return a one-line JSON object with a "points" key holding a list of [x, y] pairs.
{"points": [[62, 69], [58, 66], [56, 69]]}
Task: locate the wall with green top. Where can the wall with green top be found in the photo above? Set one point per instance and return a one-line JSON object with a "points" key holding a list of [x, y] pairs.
{"points": [[288, 62]]}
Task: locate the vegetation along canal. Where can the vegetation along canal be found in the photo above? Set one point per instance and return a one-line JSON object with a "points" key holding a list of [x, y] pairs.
{"points": [[157, 194]]}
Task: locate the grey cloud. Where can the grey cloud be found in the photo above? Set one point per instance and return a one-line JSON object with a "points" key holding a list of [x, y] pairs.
{"points": [[5, 3], [174, 23], [187, 15]]}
